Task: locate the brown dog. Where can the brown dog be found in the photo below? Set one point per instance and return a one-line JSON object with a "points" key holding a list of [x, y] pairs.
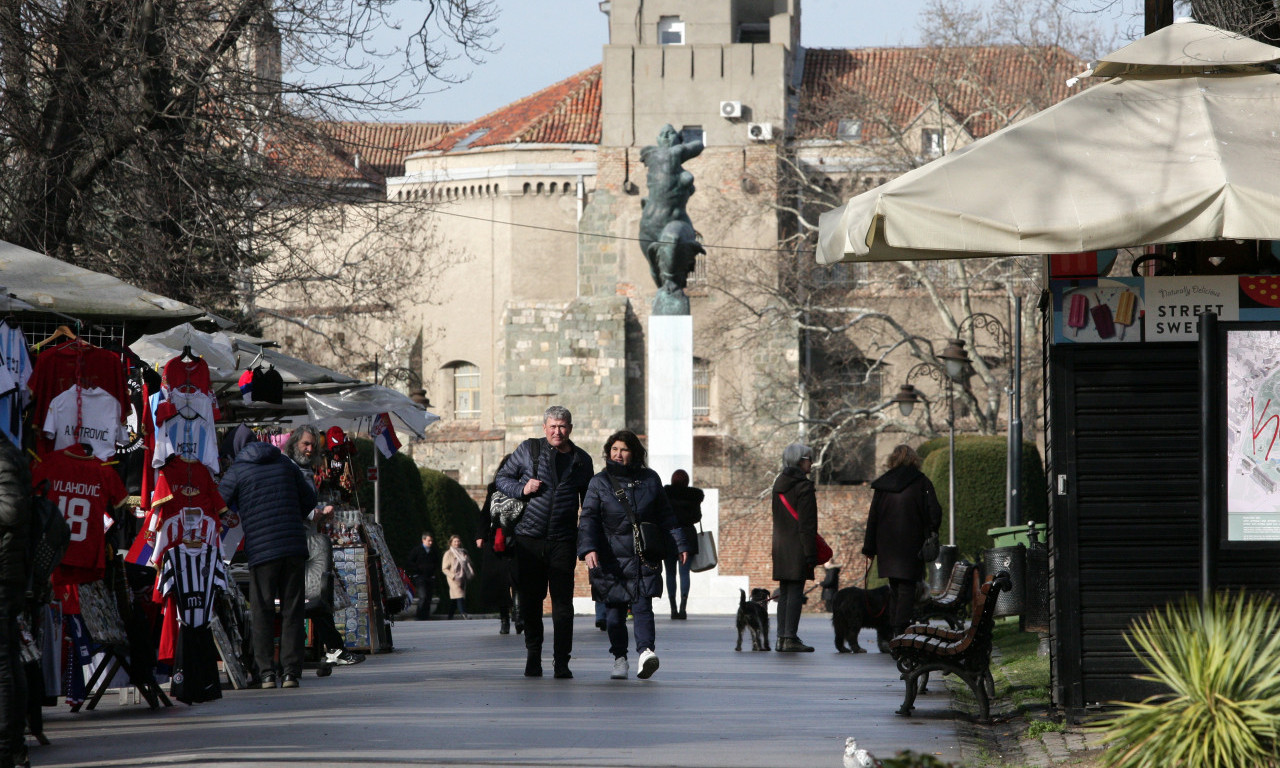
{"points": [[753, 615]]}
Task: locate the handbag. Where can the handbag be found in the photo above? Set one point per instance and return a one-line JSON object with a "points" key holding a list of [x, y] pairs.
{"points": [[824, 549], [504, 510], [705, 558], [650, 541], [929, 549]]}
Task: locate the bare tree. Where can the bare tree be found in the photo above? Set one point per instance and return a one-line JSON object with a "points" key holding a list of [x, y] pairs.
{"points": [[865, 329], [181, 144]]}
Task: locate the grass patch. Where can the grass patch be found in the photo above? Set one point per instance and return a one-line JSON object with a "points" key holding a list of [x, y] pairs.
{"points": [[1040, 727]]}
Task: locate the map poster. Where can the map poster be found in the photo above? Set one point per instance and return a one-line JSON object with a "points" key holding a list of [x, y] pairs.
{"points": [[1252, 418]]}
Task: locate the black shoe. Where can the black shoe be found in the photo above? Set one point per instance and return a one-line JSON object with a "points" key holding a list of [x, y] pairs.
{"points": [[268, 681], [533, 665], [601, 624], [682, 616], [505, 627], [325, 669], [519, 627], [793, 645], [290, 681], [562, 672]]}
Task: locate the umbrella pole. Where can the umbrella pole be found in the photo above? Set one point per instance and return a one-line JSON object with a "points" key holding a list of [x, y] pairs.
{"points": [[377, 488]]}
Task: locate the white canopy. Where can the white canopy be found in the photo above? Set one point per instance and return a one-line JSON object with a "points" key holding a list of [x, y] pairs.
{"points": [[352, 409], [1183, 144]]}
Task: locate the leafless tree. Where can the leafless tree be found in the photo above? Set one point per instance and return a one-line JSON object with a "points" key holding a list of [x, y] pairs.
{"points": [[864, 329], [182, 145]]}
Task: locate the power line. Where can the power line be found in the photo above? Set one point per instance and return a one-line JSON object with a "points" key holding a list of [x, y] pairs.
{"points": [[600, 235]]}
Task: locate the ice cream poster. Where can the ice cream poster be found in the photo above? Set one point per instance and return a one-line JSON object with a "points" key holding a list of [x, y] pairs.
{"points": [[1099, 311], [1153, 309], [1253, 435]]}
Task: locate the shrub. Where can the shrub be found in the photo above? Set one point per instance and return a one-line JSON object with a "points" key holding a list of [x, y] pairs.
{"points": [[980, 488], [1223, 705]]}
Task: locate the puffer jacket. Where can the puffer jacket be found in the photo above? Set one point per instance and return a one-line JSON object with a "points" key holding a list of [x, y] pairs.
{"points": [[273, 499], [552, 512], [15, 514], [795, 550], [605, 528]]}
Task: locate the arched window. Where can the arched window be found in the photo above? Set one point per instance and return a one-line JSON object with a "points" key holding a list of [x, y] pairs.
{"points": [[466, 390], [701, 388], [541, 188], [526, 187]]}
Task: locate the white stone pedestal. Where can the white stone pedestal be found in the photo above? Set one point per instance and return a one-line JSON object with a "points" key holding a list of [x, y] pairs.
{"points": [[670, 443]]}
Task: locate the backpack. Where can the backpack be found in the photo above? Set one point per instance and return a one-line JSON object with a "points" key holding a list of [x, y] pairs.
{"points": [[49, 538]]}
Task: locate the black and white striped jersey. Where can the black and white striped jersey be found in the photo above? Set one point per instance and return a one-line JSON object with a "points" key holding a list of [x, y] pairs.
{"points": [[191, 575]]}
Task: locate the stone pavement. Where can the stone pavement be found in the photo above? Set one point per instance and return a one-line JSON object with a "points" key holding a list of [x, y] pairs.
{"points": [[453, 694]]}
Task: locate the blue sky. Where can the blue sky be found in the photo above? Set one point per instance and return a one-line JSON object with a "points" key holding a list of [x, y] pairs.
{"points": [[543, 41]]}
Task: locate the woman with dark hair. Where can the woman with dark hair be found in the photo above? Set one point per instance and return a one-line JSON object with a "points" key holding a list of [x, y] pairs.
{"points": [[498, 562], [904, 511], [686, 501], [624, 494]]}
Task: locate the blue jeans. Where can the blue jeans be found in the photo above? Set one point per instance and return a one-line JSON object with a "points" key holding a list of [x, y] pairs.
{"points": [[615, 617]]}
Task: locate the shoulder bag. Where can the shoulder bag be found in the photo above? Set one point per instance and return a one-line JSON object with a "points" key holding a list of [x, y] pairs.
{"points": [[505, 511], [650, 543], [705, 558], [824, 549]]}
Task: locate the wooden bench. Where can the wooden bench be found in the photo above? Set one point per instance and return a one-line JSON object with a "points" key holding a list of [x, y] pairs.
{"points": [[950, 603], [923, 649]]}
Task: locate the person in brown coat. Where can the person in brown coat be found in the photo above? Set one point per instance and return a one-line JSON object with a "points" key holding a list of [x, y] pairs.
{"points": [[458, 571], [795, 549], [904, 511]]}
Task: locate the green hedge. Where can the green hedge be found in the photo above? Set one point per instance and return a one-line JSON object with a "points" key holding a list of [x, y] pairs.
{"points": [[980, 487], [415, 499]]}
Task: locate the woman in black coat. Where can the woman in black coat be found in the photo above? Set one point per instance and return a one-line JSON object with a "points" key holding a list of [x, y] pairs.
{"points": [[904, 511], [620, 578], [686, 501], [795, 547]]}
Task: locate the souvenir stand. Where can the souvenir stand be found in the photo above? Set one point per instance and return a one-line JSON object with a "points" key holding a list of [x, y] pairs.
{"points": [[69, 397]]}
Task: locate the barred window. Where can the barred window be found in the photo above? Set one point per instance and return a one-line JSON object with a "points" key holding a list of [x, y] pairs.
{"points": [[466, 391], [701, 388]]}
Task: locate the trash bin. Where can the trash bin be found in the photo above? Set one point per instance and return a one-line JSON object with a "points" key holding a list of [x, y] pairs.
{"points": [[1014, 560], [1035, 615], [1007, 536], [939, 571]]}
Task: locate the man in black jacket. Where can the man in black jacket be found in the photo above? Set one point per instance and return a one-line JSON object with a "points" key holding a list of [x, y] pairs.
{"points": [[547, 534], [273, 499], [422, 566], [15, 522]]}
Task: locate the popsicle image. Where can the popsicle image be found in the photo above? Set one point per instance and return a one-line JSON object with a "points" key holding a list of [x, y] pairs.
{"points": [[1078, 315], [1126, 311], [1102, 319]]}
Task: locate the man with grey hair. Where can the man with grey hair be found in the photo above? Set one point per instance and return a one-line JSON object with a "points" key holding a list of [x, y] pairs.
{"points": [[550, 474]]}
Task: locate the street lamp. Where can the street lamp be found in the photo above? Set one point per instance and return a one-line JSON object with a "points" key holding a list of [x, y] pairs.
{"points": [[954, 369]]}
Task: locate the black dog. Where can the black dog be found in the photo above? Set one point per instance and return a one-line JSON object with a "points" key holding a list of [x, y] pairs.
{"points": [[753, 614], [854, 608]]}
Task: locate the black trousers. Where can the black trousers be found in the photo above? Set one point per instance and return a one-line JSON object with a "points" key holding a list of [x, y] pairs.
{"points": [[902, 599], [546, 566], [13, 678], [790, 601], [282, 580], [426, 589], [326, 633]]}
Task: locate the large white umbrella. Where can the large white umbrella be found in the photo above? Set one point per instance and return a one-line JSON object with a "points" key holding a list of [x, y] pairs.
{"points": [[1181, 144]]}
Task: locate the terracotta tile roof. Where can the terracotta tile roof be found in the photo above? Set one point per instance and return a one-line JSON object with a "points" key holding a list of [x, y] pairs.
{"points": [[383, 145], [565, 113], [981, 87]]}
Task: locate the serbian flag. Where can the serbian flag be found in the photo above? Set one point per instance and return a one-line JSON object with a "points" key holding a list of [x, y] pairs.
{"points": [[384, 435]]}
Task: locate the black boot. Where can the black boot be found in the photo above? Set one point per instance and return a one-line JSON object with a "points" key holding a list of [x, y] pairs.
{"points": [[684, 600], [533, 664], [505, 627], [675, 612]]}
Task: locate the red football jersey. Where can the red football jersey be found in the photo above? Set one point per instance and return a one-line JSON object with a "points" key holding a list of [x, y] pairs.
{"points": [[84, 488]]}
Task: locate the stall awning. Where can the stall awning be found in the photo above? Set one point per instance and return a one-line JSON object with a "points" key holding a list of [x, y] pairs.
{"points": [[1181, 145]]}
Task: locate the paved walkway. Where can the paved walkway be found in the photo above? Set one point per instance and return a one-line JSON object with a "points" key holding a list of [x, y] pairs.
{"points": [[453, 694]]}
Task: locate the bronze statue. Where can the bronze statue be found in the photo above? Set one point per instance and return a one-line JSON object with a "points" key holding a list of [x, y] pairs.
{"points": [[666, 233]]}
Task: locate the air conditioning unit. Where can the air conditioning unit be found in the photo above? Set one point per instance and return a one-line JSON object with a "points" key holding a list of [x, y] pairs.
{"points": [[760, 131], [730, 109]]}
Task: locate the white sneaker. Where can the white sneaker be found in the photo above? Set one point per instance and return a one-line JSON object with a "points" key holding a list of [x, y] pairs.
{"points": [[648, 664], [620, 668]]}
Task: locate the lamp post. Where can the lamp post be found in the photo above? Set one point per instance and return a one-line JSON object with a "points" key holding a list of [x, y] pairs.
{"points": [[954, 368]]}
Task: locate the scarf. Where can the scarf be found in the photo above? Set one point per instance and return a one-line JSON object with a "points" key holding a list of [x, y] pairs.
{"points": [[460, 562]]}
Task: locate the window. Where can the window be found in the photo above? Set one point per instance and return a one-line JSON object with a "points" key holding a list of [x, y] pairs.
{"points": [[670, 31], [693, 133], [753, 32], [931, 142], [701, 388], [849, 130], [466, 391]]}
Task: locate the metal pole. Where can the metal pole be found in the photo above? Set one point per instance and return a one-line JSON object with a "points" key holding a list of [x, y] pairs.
{"points": [[951, 464], [377, 474], [1209, 488], [1015, 421]]}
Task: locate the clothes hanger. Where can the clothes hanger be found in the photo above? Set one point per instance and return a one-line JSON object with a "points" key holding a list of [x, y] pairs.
{"points": [[61, 331], [187, 354]]}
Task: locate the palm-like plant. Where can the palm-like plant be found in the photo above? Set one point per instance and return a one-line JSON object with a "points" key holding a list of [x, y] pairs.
{"points": [[1220, 665]]}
